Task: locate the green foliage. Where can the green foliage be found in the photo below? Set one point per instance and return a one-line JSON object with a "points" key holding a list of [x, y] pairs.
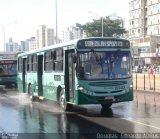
{"points": [[110, 27]]}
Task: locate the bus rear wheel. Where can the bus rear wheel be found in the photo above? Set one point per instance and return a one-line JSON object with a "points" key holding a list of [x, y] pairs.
{"points": [[106, 106], [63, 104]]}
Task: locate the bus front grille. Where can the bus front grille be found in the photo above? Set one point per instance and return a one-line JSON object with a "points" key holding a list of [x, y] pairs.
{"points": [[108, 92], [105, 84]]}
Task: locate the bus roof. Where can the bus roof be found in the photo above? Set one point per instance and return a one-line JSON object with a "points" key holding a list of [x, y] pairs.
{"points": [[71, 42]]}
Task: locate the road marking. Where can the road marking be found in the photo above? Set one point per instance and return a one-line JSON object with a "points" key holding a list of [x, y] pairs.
{"points": [[129, 119]]}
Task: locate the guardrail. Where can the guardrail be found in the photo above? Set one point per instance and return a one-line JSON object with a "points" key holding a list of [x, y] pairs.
{"points": [[146, 82]]}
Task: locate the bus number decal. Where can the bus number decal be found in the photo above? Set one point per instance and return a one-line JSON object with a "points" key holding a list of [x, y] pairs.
{"points": [[119, 87], [57, 77]]}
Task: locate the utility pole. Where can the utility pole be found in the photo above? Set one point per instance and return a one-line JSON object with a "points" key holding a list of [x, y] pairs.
{"points": [[101, 21], [4, 34], [56, 22]]}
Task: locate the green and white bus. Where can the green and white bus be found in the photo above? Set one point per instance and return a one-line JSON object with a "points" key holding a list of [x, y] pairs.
{"points": [[84, 71]]}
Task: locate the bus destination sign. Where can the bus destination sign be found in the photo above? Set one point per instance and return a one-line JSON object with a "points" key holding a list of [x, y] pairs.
{"points": [[7, 61], [103, 43]]}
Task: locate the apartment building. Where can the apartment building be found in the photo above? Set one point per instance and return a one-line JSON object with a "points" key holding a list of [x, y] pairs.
{"points": [[31, 43], [23, 46], [28, 44], [72, 33], [11, 46], [144, 30], [45, 36]]}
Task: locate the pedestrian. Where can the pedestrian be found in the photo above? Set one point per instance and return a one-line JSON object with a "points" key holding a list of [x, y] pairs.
{"points": [[151, 71]]}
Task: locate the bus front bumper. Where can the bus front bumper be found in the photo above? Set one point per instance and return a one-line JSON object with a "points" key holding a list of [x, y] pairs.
{"points": [[83, 98]]}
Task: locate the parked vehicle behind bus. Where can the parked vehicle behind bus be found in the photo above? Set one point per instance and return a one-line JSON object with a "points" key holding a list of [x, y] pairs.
{"points": [[8, 72], [83, 71]]}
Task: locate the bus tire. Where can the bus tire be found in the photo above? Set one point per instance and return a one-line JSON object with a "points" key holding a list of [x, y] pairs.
{"points": [[106, 106], [30, 92], [63, 104]]}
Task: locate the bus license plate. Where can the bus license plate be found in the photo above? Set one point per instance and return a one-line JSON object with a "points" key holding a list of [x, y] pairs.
{"points": [[109, 98]]}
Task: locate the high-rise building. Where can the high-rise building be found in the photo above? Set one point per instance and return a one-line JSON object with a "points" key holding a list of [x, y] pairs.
{"points": [[45, 36], [49, 40], [72, 33], [32, 43], [11, 46], [23, 46], [144, 30], [28, 44]]}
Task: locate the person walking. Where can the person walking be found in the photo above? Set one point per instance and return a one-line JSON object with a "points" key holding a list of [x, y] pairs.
{"points": [[151, 74]]}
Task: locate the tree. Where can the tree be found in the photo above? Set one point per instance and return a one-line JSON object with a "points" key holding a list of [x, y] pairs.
{"points": [[110, 27]]}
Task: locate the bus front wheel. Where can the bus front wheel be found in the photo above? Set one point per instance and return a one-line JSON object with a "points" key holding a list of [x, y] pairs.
{"points": [[106, 106]]}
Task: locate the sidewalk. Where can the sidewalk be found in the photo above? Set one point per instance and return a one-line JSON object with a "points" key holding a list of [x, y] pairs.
{"points": [[147, 97], [147, 91], [145, 82]]}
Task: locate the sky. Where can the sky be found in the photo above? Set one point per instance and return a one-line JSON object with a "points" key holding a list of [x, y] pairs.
{"points": [[21, 18]]}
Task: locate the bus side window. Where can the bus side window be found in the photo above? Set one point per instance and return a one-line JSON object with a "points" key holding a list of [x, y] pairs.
{"points": [[58, 61], [48, 61], [28, 63], [19, 64], [34, 62]]}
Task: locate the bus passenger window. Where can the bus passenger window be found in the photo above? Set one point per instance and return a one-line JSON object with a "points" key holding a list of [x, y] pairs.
{"points": [[58, 61]]}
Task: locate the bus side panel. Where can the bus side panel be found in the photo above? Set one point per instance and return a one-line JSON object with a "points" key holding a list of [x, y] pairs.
{"points": [[50, 85], [49, 90]]}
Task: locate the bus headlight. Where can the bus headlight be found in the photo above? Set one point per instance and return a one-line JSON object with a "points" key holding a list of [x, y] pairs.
{"points": [[80, 88], [131, 86]]}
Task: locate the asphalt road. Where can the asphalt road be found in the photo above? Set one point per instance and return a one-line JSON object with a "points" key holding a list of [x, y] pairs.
{"points": [[20, 118]]}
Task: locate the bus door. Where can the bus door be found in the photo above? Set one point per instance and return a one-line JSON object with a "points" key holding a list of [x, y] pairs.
{"points": [[69, 76], [40, 74], [24, 74]]}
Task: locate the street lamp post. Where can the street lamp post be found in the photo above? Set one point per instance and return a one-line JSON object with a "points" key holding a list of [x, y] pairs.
{"points": [[102, 25], [56, 22], [4, 34], [101, 20], [4, 41]]}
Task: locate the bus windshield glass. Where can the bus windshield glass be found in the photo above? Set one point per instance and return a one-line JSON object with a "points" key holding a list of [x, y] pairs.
{"points": [[104, 65], [8, 67]]}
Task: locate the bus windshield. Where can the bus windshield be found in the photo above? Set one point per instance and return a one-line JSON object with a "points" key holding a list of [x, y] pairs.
{"points": [[104, 65], [8, 68]]}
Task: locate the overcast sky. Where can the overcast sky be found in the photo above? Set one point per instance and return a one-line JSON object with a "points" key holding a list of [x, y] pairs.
{"points": [[29, 14]]}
